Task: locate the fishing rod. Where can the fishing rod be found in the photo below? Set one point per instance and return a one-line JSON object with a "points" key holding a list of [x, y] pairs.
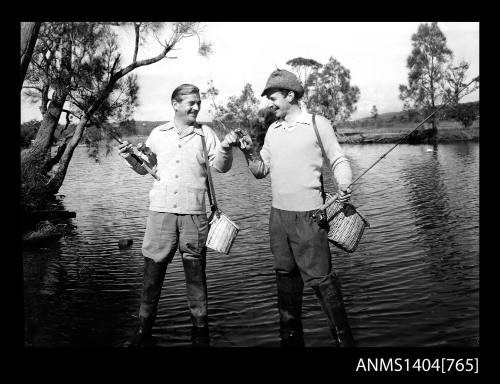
{"points": [[137, 158], [335, 197]]}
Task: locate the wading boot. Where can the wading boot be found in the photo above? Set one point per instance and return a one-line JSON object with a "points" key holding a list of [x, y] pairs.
{"points": [[142, 336], [154, 274], [196, 287], [200, 337], [330, 298], [290, 289]]}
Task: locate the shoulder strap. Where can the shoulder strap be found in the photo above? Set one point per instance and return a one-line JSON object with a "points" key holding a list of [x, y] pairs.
{"points": [[319, 138], [210, 184], [323, 194]]}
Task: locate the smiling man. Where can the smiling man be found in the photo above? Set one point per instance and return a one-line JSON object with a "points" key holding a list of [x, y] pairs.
{"points": [[177, 215], [293, 157]]}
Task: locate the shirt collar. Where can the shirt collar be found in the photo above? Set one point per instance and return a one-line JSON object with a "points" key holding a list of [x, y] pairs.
{"points": [[303, 118], [170, 125]]}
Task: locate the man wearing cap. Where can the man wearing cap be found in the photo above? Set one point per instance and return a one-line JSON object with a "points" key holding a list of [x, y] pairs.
{"points": [[177, 216], [293, 158]]}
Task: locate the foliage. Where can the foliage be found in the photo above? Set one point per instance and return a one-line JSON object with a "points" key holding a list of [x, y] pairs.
{"points": [[465, 113], [455, 79], [303, 68], [243, 109], [77, 70], [427, 68], [94, 58], [215, 110], [28, 132], [265, 117], [330, 92], [239, 111]]}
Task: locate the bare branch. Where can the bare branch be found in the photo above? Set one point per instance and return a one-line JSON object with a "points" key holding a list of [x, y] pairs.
{"points": [[32, 87], [70, 113]]}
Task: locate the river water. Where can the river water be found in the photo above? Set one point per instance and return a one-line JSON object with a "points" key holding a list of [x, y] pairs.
{"points": [[412, 282]]}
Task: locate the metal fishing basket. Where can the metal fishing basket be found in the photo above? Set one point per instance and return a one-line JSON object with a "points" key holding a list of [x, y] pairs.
{"points": [[222, 233], [346, 224]]}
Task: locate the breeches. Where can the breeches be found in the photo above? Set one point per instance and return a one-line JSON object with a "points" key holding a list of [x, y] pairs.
{"points": [[298, 242]]}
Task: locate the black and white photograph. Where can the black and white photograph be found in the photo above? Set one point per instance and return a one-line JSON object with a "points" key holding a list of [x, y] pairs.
{"points": [[218, 184]]}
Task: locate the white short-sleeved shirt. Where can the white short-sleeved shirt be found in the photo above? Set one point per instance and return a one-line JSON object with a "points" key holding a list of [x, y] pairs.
{"points": [[181, 167]]}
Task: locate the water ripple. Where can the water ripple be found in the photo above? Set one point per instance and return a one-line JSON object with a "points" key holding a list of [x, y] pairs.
{"points": [[413, 281]]}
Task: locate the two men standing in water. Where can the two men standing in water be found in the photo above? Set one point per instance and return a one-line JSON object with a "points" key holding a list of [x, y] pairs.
{"points": [[292, 157]]}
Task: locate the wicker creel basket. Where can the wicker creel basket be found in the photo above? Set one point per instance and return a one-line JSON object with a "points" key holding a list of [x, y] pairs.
{"points": [[346, 225], [222, 233]]}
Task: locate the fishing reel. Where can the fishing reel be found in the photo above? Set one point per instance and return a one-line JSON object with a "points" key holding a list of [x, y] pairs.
{"points": [[319, 216], [241, 135]]}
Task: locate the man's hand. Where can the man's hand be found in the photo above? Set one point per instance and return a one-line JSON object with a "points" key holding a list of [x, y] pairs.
{"points": [[231, 139], [246, 144], [344, 193], [125, 149]]}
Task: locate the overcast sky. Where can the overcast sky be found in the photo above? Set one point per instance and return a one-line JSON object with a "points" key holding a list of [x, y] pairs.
{"points": [[247, 52]]}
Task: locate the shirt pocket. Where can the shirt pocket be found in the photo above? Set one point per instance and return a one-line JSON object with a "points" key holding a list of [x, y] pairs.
{"points": [[158, 194], [195, 198]]}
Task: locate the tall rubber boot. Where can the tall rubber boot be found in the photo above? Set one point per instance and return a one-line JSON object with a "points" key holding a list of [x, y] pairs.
{"points": [[330, 298], [196, 287], [200, 337], [154, 274], [290, 289]]}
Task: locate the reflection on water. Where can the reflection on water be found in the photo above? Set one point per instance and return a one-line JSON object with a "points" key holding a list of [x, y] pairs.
{"points": [[413, 281]]}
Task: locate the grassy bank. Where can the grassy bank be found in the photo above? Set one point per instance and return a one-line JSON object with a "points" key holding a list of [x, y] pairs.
{"points": [[448, 131]]}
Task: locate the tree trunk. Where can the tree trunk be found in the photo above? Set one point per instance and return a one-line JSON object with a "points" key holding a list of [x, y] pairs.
{"points": [[29, 34], [34, 160], [38, 182], [58, 171]]}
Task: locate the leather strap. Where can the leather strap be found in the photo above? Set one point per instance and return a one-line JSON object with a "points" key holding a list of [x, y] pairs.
{"points": [[324, 156], [210, 184]]}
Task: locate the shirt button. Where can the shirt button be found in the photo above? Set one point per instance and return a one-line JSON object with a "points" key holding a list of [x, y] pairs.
{"points": [[177, 161], [175, 205], [176, 176], [180, 145]]}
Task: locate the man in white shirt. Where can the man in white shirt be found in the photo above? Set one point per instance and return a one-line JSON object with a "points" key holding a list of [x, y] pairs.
{"points": [[177, 216]]}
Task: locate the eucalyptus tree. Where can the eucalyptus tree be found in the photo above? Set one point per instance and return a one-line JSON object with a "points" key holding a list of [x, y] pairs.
{"points": [[455, 77], [240, 110], [456, 80], [427, 65], [217, 111], [77, 69], [330, 91], [303, 68]]}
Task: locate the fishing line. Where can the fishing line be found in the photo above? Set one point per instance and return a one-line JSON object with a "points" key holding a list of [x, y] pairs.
{"points": [[335, 197]]}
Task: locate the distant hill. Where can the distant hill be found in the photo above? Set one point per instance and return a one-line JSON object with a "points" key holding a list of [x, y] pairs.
{"points": [[411, 116], [392, 120]]}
